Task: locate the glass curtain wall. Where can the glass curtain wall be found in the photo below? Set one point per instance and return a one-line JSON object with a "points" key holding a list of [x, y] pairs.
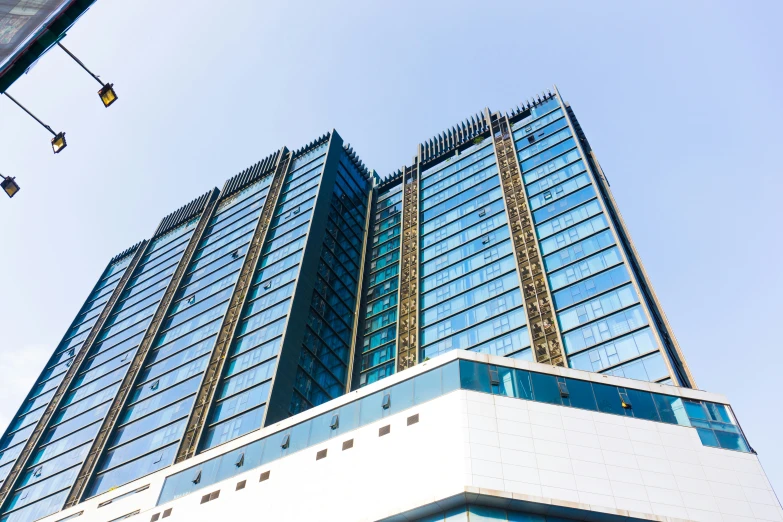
{"points": [[241, 396], [322, 373], [154, 417], [62, 448], [469, 288], [379, 348], [32, 409], [599, 312]]}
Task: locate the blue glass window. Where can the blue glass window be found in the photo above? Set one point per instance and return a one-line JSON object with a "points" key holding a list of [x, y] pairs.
{"points": [[585, 268], [604, 329], [608, 399], [591, 286], [611, 353], [547, 155], [522, 128], [233, 428], [578, 250], [556, 177], [580, 394], [597, 308], [643, 405], [649, 368], [545, 388], [671, 409], [563, 204], [474, 376]]}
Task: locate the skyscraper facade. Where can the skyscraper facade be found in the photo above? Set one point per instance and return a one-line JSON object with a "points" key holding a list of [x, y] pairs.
{"points": [[515, 247], [308, 276], [239, 311]]}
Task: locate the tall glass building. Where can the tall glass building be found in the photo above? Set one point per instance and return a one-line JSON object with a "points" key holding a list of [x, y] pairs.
{"points": [[308, 276], [503, 238]]}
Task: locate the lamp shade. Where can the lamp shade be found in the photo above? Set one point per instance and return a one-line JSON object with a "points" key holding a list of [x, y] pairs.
{"points": [[9, 186], [58, 142], [107, 94]]}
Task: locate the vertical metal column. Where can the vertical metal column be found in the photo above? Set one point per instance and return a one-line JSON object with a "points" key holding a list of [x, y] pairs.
{"points": [[360, 291], [43, 422], [206, 393], [542, 324], [408, 331], [98, 445]]}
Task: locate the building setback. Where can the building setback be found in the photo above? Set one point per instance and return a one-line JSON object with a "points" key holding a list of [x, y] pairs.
{"points": [[308, 276]]}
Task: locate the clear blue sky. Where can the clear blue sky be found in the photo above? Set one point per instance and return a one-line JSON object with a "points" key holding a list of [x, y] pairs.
{"points": [[680, 100]]}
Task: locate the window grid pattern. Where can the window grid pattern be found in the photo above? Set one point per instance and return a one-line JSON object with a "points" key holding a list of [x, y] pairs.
{"points": [[322, 372], [32, 409], [56, 460], [379, 348], [242, 393], [582, 261], [470, 295], [155, 414]]}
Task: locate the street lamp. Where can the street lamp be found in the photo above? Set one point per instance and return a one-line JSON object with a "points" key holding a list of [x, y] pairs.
{"points": [[9, 186], [58, 142], [106, 93]]}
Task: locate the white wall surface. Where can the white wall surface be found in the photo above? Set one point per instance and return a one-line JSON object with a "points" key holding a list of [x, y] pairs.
{"points": [[380, 476], [483, 444], [609, 461]]}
